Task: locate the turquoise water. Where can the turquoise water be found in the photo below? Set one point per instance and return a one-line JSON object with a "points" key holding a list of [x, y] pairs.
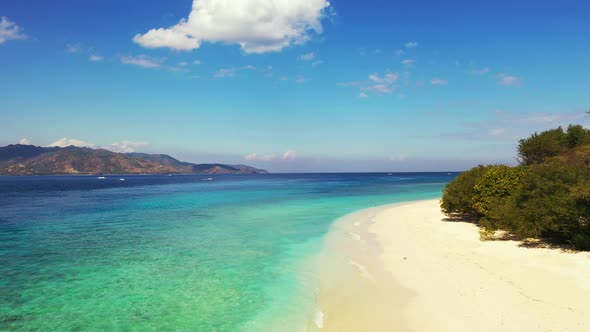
{"points": [[174, 253]]}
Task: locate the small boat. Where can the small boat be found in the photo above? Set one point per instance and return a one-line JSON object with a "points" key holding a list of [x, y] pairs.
{"points": [[207, 179], [101, 178], [121, 179], [389, 173]]}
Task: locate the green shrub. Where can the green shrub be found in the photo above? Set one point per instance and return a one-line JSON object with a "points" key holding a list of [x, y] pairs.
{"points": [[497, 183], [545, 204], [492, 190], [538, 147], [458, 194]]}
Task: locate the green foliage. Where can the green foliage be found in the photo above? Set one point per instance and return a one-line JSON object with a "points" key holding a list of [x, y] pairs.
{"points": [[551, 143], [458, 194], [492, 190], [549, 196], [576, 135], [545, 203], [538, 147]]}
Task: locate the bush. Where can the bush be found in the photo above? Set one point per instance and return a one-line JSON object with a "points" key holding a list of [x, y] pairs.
{"points": [[545, 204], [538, 147], [458, 194], [548, 196], [492, 190]]}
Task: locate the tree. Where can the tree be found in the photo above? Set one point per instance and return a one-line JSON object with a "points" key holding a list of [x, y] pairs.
{"points": [[538, 147], [576, 135]]}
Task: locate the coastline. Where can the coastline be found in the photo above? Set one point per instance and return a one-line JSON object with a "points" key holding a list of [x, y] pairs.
{"points": [[400, 267]]}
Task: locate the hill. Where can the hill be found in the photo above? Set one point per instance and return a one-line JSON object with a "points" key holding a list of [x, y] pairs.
{"points": [[21, 159]]}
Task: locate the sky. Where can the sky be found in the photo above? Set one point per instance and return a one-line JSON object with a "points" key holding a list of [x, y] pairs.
{"points": [[295, 85]]}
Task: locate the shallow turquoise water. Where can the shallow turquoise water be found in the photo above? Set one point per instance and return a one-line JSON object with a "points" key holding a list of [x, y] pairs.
{"points": [[173, 253]]}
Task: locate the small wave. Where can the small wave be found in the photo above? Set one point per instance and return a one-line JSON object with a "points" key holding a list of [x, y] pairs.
{"points": [[362, 269], [355, 236], [319, 319]]}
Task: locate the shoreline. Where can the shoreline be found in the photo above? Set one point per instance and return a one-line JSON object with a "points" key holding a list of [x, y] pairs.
{"points": [[400, 267]]}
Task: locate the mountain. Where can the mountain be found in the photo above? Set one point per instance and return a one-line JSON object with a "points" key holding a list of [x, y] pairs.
{"points": [[21, 159]]}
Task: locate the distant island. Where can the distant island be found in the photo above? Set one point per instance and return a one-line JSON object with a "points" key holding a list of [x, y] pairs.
{"points": [[18, 159]]}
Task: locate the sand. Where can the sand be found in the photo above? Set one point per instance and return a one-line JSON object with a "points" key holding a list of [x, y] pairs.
{"points": [[401, 268]]}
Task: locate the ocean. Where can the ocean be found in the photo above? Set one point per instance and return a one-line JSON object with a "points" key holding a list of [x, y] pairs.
{"points": [[182, 252]]}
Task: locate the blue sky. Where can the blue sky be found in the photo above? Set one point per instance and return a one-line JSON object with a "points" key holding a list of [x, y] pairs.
{"points": [[295, 86]]}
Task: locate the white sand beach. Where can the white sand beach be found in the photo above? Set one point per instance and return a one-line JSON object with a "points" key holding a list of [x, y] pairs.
{"points": [[407, 270]]}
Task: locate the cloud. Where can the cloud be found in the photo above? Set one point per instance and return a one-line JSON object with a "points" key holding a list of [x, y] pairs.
{"points": [[307, 57], [508, 80], [197, 62], [63, 142], [300, 79], [10, 31], [380, 84], [408, 62], [183, 64], [95, 57], [398, 158], [177, 69], [363, 95], [143, 61], [387, 78], [256, 157], [411, 44], [24, 141], [74, 48], [231, 72], [289, 155], [438, 81], [481, 71], [497, 131], [258, 26], [400, 52], [125, 146]]}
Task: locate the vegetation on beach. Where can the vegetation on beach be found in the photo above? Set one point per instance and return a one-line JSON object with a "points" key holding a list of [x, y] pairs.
{"points": [[546, 196]]}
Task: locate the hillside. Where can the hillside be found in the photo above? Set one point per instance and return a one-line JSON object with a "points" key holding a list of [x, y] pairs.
{"points": [[33, 160]]}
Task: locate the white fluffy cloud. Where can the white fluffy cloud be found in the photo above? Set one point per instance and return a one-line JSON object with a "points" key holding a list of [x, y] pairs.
{"points": [[408, 62], [380, 84], [289, 155], [125, 146], [142, 61], [24, 141], [411, 44], [62, 143], [508, 80], [438, 81], [74, 48], [299, 79], [231, 72], [258, 26], [307, 57], [94, 57], [481, 71], [10, 31], [256, 157]]}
